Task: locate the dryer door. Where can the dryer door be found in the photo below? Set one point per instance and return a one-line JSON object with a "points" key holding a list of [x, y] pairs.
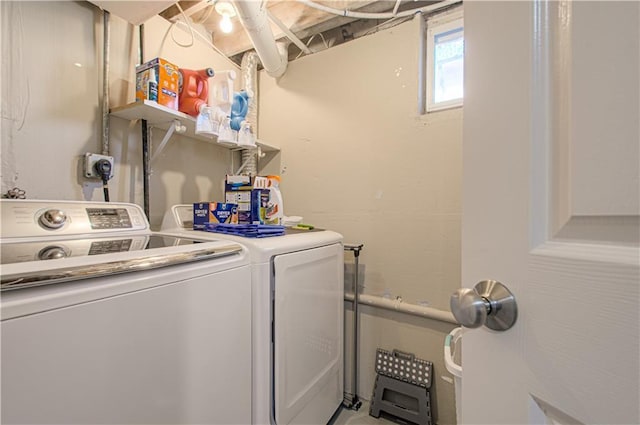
{"points": [[308, 334]]}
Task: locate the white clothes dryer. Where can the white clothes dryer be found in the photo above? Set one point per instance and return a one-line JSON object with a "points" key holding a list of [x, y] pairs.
{"points": [[104, 321], [297, 323]]}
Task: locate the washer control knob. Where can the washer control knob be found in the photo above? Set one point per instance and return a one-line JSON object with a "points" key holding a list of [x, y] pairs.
{"points": [[52, 252], [53, 219]]}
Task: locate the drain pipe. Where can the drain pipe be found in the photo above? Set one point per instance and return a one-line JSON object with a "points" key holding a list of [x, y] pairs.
{"points": [[254, 19], [105, 81]]}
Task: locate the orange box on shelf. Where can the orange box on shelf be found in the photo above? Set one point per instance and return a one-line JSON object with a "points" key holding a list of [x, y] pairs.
{"points": [[167, 78]]}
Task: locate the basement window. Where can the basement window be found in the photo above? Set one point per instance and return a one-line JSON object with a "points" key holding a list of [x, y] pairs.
{"points": [[445, 62]]}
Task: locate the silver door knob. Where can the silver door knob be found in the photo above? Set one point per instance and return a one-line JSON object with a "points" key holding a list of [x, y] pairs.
{"points": [[489, 303]]}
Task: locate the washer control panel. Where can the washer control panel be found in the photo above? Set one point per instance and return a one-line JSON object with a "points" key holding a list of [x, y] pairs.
{"points": [[24, 218], [109, 218]]}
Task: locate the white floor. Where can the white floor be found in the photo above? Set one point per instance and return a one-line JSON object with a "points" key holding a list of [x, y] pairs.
{"points": [[360, 417]]}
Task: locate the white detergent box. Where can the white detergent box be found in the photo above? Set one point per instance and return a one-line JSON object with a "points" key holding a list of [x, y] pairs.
{"points": [[214, 212]]}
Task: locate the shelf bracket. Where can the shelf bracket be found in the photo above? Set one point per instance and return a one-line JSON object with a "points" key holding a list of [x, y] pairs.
{"points": [[177, 127]]}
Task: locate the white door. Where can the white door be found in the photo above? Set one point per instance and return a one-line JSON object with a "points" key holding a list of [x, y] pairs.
{"points": [[550, 201], [308, 335]]}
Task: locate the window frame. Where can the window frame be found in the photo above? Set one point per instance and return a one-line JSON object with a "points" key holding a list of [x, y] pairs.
{"points": [[436, 25]]}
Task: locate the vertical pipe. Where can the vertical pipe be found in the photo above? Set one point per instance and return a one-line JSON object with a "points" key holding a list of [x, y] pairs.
{"points": [[145, 166], [141, 44], [422, 64], [105, 81], [145, 138]]}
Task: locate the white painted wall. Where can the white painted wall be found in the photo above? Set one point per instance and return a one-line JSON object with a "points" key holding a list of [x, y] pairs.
{"points": [[51, 108], [357, 158]]}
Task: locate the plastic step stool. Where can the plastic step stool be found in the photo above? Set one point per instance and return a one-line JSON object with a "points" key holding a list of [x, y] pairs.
{"points": [[402, 387]]}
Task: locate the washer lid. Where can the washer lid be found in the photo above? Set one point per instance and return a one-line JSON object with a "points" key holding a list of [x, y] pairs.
{"points": [[27, 264], [52, 249]]}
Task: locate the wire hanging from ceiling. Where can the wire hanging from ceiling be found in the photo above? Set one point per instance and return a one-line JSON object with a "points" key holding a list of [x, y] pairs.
{"points": [[378, 15], [206, 15], [188, 24], [326, 45]]}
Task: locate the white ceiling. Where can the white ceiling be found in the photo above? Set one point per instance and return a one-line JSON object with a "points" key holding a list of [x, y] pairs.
{"points": [[317, 29], [302, 20]]}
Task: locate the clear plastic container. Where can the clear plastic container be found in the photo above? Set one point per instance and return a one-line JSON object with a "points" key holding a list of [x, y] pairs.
{"points": [[221, 90]]}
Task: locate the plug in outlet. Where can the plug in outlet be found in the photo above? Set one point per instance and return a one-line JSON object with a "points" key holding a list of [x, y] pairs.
{"points": [[90, 160]]}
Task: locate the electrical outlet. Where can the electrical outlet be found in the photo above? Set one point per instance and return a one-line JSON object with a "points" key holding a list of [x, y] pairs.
{"points": [[90, 160]]}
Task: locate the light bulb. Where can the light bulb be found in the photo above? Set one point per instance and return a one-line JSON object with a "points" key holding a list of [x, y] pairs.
{"points": [[225, 24]]}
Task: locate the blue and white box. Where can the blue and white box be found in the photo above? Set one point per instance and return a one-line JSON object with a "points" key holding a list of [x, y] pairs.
{"points": [[252, 199], [214, 213]]}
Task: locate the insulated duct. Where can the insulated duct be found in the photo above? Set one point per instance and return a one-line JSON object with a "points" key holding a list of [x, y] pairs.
{"points": [[254, 19], [249, 69]]}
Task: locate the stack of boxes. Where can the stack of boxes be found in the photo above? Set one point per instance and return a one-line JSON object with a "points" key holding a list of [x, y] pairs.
{"points": [[251, 196], [246, 200]]}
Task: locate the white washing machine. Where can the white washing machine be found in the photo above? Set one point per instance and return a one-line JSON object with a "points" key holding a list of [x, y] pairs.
{"points": [[104, 321], [297, 294]]}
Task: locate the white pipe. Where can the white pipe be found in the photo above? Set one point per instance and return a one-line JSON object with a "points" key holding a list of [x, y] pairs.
{"points": [[403, 307], [387, 15], [290, 35], [395, 8], [253, 16]]}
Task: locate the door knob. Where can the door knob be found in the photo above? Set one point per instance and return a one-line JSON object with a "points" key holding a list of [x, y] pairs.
{"points": [[489, 303]]}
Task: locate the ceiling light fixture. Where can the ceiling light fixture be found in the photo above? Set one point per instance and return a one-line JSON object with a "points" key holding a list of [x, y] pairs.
{"points": [[226, 10]]}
